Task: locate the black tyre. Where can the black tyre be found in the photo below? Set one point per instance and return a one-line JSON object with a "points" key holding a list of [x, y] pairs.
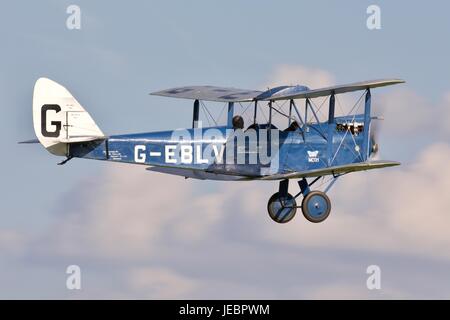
{"points": [[316, 206], [282, 210]]}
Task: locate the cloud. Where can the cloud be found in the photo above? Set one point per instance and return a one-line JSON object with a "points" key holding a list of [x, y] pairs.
{"points": [[160, 283], [302, 75], [346, 292], [121, 218], [446, 114], [407, 114], [12, 242]]}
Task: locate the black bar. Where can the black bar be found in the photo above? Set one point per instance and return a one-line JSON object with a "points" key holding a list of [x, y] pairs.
{"points": [[226, 309]]}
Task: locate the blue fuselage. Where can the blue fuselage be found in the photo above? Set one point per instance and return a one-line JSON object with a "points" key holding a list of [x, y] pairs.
{"points": [[206, 150]]}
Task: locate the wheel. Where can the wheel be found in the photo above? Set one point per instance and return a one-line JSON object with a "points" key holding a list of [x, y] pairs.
{"points": [[282, 210], [316, 206]]}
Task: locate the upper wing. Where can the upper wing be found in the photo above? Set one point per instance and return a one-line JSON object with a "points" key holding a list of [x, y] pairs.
{"points": [[347, 168], [299, 93], [209, 93], [221, 94]]}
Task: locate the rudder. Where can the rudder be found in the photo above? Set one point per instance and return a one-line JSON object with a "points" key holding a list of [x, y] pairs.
{"points": [[59, 119]]}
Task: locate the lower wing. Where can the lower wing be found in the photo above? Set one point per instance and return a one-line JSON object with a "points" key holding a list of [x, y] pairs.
{"points": [[335, 170]]}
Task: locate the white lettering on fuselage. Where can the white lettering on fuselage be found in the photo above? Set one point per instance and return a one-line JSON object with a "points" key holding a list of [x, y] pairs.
{"points": [[139, 154], [170, 154], [184, 154]]}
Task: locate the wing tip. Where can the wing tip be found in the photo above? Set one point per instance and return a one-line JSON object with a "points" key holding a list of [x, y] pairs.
{"points": [[382, 163], [395, 80], [395, 163]]}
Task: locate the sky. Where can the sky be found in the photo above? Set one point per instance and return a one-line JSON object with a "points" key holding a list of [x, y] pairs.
{"points": [[136, 234]]}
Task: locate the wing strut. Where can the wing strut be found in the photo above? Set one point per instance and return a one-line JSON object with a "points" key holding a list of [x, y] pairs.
{"points": [[230, 114], [330, 129], [255, 113], [367, 120], [195, 114]]}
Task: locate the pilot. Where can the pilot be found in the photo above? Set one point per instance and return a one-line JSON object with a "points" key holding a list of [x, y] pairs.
{"points": [[238, 122], [293, 126]]}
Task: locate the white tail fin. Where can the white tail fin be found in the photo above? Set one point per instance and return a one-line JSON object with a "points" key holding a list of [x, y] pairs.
{"points": [[59, 119]]}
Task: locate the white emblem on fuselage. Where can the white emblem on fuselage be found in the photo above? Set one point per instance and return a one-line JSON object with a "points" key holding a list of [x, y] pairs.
{"points": [[313, 156]]}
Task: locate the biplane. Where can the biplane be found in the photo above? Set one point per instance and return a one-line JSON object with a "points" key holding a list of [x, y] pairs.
{"points": [[308, 149]]}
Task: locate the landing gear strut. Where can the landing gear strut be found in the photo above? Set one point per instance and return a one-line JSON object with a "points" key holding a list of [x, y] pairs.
{"points": [[316, 205]]}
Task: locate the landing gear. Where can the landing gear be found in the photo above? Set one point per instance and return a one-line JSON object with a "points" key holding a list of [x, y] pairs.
{"points": [[316, 205], [282, 205], [282, 209]]}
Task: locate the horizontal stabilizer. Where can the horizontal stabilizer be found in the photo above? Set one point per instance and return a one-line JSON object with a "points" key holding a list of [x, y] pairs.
{"points": [[334, 170], [29, 141], [81, 138]]}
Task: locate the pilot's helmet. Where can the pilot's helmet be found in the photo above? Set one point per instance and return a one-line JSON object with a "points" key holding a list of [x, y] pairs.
{"points": [[238, 122]]}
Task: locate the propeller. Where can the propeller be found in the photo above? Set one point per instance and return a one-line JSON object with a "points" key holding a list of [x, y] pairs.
{"points": [[374, 134]]}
